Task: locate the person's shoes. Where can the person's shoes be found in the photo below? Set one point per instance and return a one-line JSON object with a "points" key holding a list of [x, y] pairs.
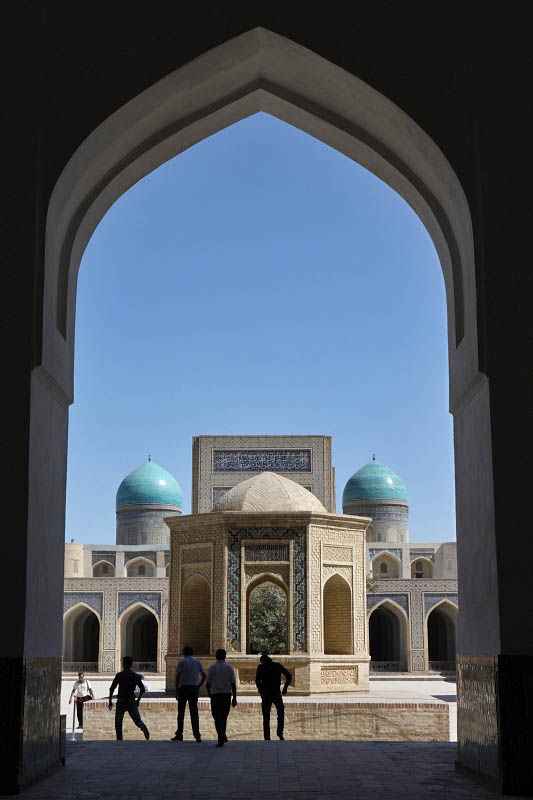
{"points": [[177, 738], [220, 744], [146, 733], [225, 738], [79, 728], [267, 738], [281, 737], [198, 741]]}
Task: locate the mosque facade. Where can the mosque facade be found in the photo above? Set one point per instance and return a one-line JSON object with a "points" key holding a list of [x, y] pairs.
{"points": [[361, 598]]}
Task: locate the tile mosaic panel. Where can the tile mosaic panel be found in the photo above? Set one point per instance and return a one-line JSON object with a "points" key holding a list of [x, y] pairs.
{"points": [[130, 555], [431, 600], [262, 461], [104, 555], [94, 600], [400, 599], [421, 552], [234, 622], [150, 599], [205, 481]]}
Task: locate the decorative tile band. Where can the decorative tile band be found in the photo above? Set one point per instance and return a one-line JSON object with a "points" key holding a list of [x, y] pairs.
{"points": [[104, 555], [401, 599], [262, 461], [92, 599], [150, 599], [298, 537], [431, 600]]}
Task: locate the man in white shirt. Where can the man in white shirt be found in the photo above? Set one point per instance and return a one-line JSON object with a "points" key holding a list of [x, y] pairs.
{"points": [[188, 671], [221, 687], [83, 692]]}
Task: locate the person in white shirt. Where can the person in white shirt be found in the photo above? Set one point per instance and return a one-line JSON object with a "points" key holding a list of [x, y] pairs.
{"points": [[188, 671], [221, 688], [83, 692]]}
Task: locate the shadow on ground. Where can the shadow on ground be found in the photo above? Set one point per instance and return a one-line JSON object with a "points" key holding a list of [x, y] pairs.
{"points": [[257, 770]]}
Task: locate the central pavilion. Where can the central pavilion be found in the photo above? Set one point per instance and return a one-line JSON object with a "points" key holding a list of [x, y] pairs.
{"points": [[270, 529]]}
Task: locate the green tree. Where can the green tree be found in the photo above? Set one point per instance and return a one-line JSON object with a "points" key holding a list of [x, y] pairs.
{"points": [[268, 619]]}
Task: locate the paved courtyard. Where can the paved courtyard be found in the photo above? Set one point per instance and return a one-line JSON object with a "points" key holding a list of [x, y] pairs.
{"points": [[257, 770]]}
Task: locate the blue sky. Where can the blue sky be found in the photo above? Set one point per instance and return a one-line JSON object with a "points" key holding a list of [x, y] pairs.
{"points": [[260, 283]]}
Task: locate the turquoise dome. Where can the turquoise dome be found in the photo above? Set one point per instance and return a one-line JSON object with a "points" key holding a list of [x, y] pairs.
{"points": [[374, 481], [149, 484]]}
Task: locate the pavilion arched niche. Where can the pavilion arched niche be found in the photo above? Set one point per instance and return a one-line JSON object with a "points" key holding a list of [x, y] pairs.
{"points": [[337, 617], [196, 615], [267, 615]]}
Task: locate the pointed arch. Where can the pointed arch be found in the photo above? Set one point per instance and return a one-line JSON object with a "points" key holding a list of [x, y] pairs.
{"points": [[337, 616], [81, 639], [103, 569], [388, 637], [282, 608], [195, 625], [390, 561], [422, 567], [141, 567], [140, 637], [440, 634]]}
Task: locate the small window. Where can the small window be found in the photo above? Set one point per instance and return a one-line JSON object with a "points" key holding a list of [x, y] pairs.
{"points": [[449, 563], [383, 568], [75, 565], [418, 566], [105, 569], [141, 570]]}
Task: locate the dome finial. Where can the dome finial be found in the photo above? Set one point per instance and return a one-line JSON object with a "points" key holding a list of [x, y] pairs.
{"points": [[373, 456], [149, 457]]}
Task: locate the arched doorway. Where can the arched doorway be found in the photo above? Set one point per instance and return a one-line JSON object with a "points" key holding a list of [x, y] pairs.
{"points": [[140, 567], [139, 638], [338, 639], [267, 628], [81, 640], [387, 639], [442, 638], [386, 566], [196, 615]]}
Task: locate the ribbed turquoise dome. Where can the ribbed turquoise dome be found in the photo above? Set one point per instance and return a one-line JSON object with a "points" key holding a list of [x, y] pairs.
{"points": [[374, 481], [149, 484]]}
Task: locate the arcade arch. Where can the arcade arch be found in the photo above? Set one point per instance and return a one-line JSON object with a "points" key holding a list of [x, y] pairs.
{"points": [[337, 621], [386, 565], [81, 639], [103, 569], [140, 567], [421, 568], [441, 636], [196, 615], [388, 638], [139, 637]]}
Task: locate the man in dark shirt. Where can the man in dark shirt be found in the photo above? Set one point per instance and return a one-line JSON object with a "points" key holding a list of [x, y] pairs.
{"points": [[268, 682], [126, 681]]}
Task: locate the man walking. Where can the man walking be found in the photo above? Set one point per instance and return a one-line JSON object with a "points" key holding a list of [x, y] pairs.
{"points": [[268, 682], [126, 681], [221, 688], [187, 687], [83, 692]]}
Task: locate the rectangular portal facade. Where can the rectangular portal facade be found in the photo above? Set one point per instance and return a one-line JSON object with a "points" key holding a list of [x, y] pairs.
{"points": [[221, 462]]}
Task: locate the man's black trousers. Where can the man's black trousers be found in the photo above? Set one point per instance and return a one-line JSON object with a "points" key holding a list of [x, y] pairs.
{"points": [[220, 706], [79, 708], [188, 694], [266, 705]]}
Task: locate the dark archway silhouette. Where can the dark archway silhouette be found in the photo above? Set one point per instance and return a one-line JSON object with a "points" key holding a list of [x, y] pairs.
{"points": [[442, 637], [81, 640], [139, 639]]}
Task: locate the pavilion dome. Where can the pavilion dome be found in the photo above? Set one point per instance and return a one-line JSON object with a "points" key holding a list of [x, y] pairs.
{"points": [[374, 481], [269, 492], [149, 484]]}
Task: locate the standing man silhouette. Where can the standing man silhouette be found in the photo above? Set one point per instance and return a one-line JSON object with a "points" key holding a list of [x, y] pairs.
{"points": [[187, 688], [126, 681], [268, 682], [221, 687]]}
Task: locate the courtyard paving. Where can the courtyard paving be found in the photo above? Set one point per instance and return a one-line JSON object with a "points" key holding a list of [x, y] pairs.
{"points": [[299, 770]]}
